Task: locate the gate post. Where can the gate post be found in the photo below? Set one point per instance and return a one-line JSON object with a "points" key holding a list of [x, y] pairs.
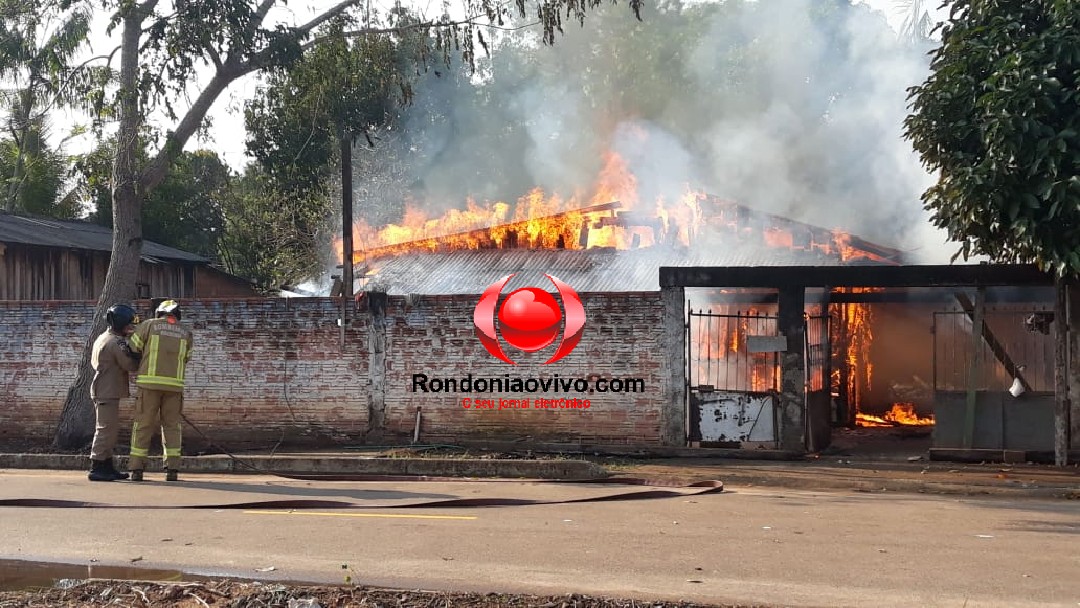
{"points": [[673, 410], [791, 323]]}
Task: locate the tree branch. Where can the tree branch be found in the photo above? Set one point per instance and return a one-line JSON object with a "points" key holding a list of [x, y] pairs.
{"points": [[214, 57], [175, 141], [108, 57], [260, 13], [415, 26], [147, 6], [328, 15]]}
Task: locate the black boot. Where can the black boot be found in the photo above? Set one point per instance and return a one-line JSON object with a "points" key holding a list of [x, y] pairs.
{"points": [[136, 475], [100, 470], [171, 475], [117, 475]]}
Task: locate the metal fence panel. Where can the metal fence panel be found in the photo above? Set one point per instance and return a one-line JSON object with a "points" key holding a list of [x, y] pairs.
{"points": [[1023, 342]]}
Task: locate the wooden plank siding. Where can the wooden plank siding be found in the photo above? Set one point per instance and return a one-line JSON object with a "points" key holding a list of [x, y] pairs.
{"points": [[30, 272]]}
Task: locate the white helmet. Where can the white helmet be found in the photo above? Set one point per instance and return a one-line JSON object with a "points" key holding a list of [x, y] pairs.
{"points": [[169, 307]]}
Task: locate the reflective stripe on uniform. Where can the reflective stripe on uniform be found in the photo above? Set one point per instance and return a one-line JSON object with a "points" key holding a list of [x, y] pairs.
{"points": [[180, 361], [151, 368], [136, 341], [159, 380], [135, 433], [172, 452]]}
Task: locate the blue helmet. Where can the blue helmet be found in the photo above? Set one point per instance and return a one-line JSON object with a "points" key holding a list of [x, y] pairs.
{"points": [[120, 316]]}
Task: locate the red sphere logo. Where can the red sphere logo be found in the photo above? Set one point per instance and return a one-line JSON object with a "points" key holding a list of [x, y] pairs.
{"points": [[529, 319]]}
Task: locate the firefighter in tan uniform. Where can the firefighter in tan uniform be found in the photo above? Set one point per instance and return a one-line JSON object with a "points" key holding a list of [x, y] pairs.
{"points": [[113, 361], [165, 346]]}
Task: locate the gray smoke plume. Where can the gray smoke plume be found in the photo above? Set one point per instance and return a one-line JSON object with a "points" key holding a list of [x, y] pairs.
{"points": [[793, 107]]}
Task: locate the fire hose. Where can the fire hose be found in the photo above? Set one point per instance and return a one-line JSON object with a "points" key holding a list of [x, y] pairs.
{"points": [[698, 488]]}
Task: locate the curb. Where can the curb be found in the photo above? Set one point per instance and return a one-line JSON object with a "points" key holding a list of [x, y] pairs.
{"points": [[734, 480], [434, 467]]}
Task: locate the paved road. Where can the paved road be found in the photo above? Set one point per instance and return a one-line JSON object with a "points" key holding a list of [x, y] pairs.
{"points": [[794, 548]]}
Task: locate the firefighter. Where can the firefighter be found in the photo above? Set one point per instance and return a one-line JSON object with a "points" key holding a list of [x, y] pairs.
{"points": [[113, 361], [165, 345]]}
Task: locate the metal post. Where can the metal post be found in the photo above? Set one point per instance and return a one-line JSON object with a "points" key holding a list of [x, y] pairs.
{"points": [[346, 216], [791, 323], [1061, 374], [688, 416], [974, 369]]}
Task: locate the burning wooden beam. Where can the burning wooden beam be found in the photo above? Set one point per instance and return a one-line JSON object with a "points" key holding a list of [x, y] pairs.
{"points": [[485, 237]]}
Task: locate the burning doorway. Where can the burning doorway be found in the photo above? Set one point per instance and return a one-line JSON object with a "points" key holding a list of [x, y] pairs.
{"points": [[880, 359]]}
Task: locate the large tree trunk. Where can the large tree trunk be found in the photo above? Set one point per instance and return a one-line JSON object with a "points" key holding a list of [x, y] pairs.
{"points": [[76, 427]]}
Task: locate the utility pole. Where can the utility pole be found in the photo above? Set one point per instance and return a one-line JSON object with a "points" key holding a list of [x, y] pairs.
{"points": [[346, 215]]}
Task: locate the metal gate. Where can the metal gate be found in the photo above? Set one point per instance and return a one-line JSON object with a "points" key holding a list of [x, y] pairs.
{"points": [[733, 375], [732, 380]]}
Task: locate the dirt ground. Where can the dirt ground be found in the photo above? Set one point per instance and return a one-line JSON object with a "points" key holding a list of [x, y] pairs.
{"points": [[231, 594]]}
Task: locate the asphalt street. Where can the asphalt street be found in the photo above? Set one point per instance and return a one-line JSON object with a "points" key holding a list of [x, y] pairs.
{"points": [[770, 546]]}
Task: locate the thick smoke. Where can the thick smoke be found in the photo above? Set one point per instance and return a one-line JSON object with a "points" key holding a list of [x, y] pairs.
{"points": [[793, 107]]}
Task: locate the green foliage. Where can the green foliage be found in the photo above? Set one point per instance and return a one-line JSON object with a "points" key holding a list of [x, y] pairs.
{"points": [[207, 30], [93, 172], [341, 88], [41, 177], [273, 237], [240, 221], [38, 38], [185, 212], [999, 122]]}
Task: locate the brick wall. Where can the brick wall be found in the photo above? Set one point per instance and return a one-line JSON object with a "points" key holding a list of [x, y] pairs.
{"points": [[435, 336], [270, 370], [40, 346]]}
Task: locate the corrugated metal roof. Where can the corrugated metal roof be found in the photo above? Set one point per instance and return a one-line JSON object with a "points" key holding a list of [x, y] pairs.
{"points": [[75, 234], [598, 270]]}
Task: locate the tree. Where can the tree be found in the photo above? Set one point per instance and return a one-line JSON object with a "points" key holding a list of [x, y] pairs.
{"points": [[271, 236], [344, 86], [341, 90], [36, 174], [158, 55], [998, 120], [187, 210], [37, 39]]}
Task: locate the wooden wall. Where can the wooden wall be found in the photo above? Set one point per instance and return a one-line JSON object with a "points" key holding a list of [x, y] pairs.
{"points": [[46, 273]]}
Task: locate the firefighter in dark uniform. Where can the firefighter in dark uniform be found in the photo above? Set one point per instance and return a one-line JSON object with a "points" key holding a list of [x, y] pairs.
{"points": [[165, 345], [113, 361]]}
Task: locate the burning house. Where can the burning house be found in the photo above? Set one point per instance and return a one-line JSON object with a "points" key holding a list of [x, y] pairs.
{"points": [[875, 356]]}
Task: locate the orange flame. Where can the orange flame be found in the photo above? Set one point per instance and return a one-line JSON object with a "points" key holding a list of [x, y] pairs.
{"points": [[609, 216], [852, 372], [902, 414]]}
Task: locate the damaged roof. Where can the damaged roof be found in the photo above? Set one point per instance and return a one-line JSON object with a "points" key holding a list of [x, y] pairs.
{"points": [[592, 270], [732, 235], [77, 234]]}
